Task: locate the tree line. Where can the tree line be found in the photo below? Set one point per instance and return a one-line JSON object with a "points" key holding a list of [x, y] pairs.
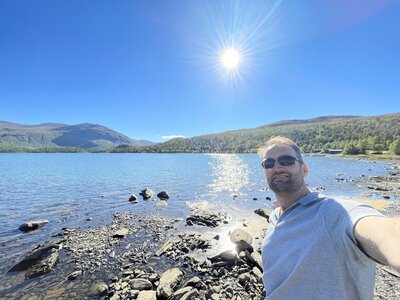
{"points": [[352, 135]]}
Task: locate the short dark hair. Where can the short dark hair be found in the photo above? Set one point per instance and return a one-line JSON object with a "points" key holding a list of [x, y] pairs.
{"points": [[274, 140]]}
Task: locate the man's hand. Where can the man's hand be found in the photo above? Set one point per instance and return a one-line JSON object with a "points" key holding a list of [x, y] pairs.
{"points": [[379, 237]]}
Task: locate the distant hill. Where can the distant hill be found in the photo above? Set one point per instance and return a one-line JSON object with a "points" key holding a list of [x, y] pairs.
{"points": [[146, 142], [309, 121], [350, 133], [85, 136]]}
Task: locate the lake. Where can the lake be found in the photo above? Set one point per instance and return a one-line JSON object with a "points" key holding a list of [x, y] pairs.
{"points": [[69, 188]]}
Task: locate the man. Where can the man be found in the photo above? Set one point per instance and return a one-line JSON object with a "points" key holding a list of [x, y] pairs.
{"points": [[315, 247]]}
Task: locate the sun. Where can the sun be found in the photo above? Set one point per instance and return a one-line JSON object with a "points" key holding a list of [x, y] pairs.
{"points": [[230, 58]]}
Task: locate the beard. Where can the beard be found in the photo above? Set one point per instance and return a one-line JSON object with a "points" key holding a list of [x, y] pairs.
{"points": [[285, 183]]}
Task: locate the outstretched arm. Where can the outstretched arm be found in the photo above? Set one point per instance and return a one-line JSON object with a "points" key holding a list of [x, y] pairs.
{"points": [[380, 238]]}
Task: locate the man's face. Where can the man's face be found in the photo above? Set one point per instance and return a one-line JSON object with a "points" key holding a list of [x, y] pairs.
{"points": [[284, 179]]}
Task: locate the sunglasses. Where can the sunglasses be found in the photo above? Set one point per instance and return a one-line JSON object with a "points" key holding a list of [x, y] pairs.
{"points": [[285, 160]]}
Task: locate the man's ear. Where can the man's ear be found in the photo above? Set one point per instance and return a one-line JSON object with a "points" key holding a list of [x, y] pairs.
{"points": [[305, 169]]}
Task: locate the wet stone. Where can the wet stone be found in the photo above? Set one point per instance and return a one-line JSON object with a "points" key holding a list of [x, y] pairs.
{"points": [[99, 288], [32, 225], [146, 193], [53, 294], [140, 284]]}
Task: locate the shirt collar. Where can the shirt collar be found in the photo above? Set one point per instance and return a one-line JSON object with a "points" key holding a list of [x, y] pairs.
{"points": [[309, 198]]}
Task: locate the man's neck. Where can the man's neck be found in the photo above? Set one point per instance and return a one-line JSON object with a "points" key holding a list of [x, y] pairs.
{"points": [[285, 200]]}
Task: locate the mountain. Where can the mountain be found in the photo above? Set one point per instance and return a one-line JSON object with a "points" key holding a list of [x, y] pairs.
{"points": [[353, 134], [85, 136], [146, 142], [356, 134]]}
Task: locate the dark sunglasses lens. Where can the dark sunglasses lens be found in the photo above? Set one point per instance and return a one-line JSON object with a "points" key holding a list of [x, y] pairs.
{"points": [[268, 163], [286, 160]]}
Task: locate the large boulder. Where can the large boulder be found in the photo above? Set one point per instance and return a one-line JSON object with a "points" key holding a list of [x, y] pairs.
{"points": [[32, 225], [146, 193], [39, 261], [168, 282], [241, 239]]}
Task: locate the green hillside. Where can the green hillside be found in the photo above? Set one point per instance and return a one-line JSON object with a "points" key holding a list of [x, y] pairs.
{"points": [[352, 134]]}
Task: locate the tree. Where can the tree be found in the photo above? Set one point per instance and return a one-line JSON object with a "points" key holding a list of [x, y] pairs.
{"points": [[395, 147], [352, 149], [306, 149]]}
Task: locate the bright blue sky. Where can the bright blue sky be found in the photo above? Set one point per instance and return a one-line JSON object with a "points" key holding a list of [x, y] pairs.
{"points": [[151, 68]]}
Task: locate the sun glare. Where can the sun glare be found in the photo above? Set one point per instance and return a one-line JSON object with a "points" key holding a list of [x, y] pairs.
{"points": [[230, 59]]}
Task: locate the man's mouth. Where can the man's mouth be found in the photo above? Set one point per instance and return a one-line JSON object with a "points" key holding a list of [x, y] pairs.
{"points": [[280, 177]]}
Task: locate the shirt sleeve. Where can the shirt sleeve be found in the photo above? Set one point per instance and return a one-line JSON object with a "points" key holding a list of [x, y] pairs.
{"points": [[341, 216]]}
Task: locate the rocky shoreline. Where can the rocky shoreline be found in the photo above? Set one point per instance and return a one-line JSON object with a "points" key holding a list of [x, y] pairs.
{"points": [[148, 257], [386, 186], [145, 257]]}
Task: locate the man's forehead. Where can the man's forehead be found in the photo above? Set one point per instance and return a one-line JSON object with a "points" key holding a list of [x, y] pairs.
{"points": [[278, 149]]}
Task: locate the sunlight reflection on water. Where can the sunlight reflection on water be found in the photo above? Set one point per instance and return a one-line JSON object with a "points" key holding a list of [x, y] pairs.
{"points": [[230, 173]]}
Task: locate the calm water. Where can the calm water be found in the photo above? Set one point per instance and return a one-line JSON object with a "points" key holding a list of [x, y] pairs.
{"points": [[66, 189]]}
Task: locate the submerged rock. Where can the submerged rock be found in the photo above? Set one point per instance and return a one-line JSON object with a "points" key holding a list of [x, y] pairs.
{"points": [[146, 193], [163, 195], [74, 275], [32, 225], [133, 198], [39, 261]]}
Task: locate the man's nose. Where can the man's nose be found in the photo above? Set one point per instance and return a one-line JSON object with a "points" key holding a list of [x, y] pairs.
{"points": [[277, 166]]}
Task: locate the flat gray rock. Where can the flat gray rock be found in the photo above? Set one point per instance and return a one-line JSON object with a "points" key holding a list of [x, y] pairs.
{"points": [[207, 218], [168, 282], [147, 295], [39, 261], [140, 284], [121, 233]]}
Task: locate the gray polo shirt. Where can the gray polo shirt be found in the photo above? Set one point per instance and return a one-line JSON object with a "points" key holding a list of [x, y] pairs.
{"points": [[310, 252]]}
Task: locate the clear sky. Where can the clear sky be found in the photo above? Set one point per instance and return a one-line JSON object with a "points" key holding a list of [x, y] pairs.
{"points": [[151, 69]]}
